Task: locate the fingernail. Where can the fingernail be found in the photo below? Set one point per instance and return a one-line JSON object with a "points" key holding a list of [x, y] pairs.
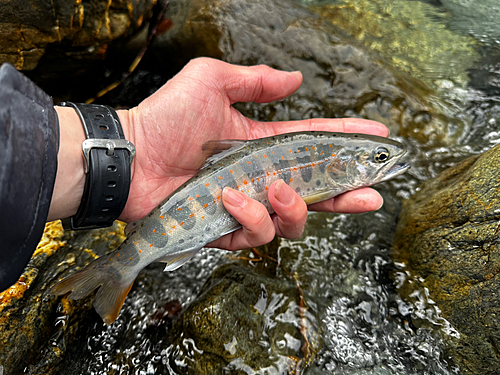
{"points": [[234, 197], [284, 193]]}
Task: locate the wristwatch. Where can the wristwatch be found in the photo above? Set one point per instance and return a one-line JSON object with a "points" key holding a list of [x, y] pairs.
{"points": [[107, 157]]}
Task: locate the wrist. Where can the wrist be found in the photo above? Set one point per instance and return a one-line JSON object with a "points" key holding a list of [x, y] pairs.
{"points": [[70, 177]]}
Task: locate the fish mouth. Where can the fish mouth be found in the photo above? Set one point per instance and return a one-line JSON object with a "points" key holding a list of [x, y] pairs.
{"points": [[395, 170]]}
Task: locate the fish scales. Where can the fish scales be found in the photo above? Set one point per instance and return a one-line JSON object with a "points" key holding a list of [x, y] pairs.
{"points": [[317, 165]]}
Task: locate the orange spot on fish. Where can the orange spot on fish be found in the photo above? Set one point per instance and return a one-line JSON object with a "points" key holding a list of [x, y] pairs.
{"points": [[191, 215], [268, 173], [274, 173], [333, 154], [117, 255], [173, 227], [313, 164], [290, 151], [265, 155], [235, 163], [206, 205], [140, 251], [329, 145], [197, 195], [307, 148], [253, 179], [154, 230], [190, 198], [150, 245], [282, 158], [314, 148], [321, 153], [131, 258], [272, 152], [104, 265], [135, 243], [179, 209], [203, 217], [110, 259], [163, 234], [218, 196], [230, 171], [161, 216], [265, 188], [181, 223], [207, 184], [220, 177], [291, 179], [249, 162], [295, 169], [245, 182], [255, 156], [123, 271], [298, 151]]}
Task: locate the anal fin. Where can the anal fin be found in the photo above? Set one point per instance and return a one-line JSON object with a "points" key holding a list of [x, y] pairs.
{"points": [[176, 260]]}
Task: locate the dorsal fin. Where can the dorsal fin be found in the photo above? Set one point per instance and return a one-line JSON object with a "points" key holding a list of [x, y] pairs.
{"points": [[216, 150], [132, 226]]}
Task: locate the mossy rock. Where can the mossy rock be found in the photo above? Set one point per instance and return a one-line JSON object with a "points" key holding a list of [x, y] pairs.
{"points": [[448, 235]]}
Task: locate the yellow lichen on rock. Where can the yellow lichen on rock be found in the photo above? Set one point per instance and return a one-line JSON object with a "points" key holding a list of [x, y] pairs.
{"points": [[50, 242], [51, 239]]}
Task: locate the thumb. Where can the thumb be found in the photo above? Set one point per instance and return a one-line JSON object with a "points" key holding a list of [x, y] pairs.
{"points": [[258, 83]]}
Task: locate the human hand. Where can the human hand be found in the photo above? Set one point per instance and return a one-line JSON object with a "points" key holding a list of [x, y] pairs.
{"points": [[169, 128]]}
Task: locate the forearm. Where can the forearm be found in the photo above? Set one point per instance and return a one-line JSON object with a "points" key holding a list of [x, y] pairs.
{"points": [[70, 177]]}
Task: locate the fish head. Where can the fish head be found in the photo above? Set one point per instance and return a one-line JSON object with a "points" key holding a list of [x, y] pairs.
{"points": [[366, 160]]}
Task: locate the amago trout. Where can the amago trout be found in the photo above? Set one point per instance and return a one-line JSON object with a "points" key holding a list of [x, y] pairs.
{"points": [[317, 165]]}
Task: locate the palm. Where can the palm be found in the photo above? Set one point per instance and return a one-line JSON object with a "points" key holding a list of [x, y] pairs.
{"points": [[195, 107]]}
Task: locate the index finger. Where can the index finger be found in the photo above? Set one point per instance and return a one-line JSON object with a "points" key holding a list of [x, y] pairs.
{"points": [[258, 129]]}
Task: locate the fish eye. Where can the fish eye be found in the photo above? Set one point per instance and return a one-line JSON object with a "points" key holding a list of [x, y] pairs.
{"points": [[381, 155]]}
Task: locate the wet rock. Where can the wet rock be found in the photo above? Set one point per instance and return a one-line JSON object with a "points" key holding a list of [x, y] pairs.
{"points": [[35, 328], [81, 30], [246, 319], [447, 237], [342, 77]]}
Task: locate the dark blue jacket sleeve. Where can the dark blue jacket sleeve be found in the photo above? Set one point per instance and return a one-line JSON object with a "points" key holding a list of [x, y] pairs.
{"points": [[29, 142]]}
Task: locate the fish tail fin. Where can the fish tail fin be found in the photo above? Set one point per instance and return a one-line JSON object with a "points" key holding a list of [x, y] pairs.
{"points": [[113, 289]]}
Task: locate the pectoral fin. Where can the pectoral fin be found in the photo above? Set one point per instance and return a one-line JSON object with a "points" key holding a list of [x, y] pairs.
{"points": [[318, 197], [176, 260]]}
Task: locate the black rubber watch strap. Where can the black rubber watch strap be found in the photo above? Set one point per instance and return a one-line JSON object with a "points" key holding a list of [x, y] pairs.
{"points": [[108, 157]]}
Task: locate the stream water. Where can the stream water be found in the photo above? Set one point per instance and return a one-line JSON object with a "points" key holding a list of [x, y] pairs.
{"points": [[343, 262]]}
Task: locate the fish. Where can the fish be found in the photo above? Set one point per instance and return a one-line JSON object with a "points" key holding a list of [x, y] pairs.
{"points": [[317, 165]]}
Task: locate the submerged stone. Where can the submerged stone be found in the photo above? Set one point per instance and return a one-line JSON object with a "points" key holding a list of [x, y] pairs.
{"points": [[246, 319], [447, 237]]}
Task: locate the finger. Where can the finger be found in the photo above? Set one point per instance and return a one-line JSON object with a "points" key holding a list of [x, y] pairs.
{"points": [[291, 210], [257, 129], [258, 83], [258, 227], [352, 202]]}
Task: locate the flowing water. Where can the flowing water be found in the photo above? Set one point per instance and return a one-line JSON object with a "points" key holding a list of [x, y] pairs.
{"points": [[343, 262]]}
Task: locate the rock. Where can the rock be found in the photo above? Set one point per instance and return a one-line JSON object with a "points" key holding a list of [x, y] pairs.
{"points": [[247, 319], [35, 328], [342, 77], [79, 29], [447, 235]]}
